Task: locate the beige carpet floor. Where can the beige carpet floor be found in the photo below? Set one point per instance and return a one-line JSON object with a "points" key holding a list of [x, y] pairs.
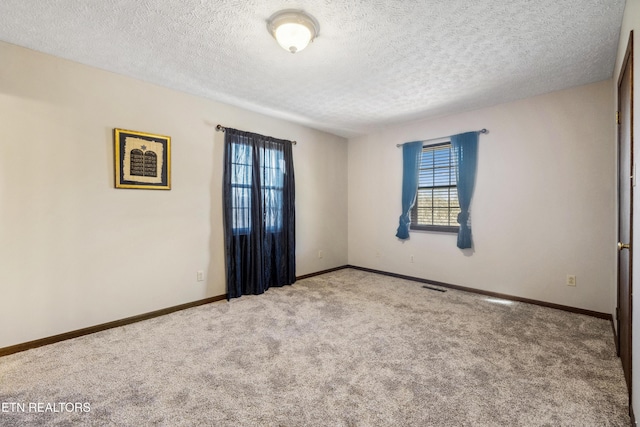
{"points": [[348, 348]]}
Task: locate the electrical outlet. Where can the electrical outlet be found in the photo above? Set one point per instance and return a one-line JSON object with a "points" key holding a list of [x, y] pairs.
{"points": [[377, 254], [200, 276], [320, 254], [571, 280], [411, 259]]}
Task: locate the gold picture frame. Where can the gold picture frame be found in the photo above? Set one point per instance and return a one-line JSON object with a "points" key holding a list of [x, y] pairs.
{"points": [[142, 160]]}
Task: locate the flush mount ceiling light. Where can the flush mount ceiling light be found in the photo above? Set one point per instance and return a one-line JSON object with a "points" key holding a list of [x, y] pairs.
{"points": [[293, 29]]}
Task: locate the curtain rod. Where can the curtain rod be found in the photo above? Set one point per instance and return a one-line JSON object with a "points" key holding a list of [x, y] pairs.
{"points": [[442, 137], [221, 128]]}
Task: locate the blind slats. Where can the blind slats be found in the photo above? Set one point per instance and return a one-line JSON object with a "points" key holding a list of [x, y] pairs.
{"points": [[437, 199]]}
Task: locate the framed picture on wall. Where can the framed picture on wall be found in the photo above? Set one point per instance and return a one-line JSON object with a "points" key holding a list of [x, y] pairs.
{"points": [[142, 160]]}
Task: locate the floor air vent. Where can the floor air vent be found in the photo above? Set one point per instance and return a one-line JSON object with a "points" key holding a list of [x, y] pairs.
{"points": [[435, 289]]}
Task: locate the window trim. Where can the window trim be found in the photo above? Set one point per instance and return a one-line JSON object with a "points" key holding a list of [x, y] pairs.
{"points": [[414, 209], [439, 228]]}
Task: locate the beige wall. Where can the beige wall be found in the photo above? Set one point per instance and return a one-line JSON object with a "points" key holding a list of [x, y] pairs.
{"points": [[75, 252], [543, 206], [631, 22]]}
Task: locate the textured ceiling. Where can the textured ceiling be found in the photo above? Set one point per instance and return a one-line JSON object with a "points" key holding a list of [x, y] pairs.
{"points": [[375, 63]]}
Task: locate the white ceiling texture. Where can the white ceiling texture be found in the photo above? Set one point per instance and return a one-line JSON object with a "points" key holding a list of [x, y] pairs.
{"points": [[374, 63]]}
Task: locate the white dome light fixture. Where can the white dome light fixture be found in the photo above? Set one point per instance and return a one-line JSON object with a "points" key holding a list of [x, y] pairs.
{"points": [[293, 29]]}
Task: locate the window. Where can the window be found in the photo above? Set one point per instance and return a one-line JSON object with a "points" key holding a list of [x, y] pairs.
{"points": [[241, 177], [273, 170], [271, 181], [436, 206]]}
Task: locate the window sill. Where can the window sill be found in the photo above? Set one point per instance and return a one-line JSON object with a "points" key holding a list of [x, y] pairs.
{"points": [[438, 228]]}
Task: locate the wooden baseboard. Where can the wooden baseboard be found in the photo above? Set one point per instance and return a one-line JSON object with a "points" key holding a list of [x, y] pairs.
{"points": [[606, 316], [5, 351], [306, 276]]}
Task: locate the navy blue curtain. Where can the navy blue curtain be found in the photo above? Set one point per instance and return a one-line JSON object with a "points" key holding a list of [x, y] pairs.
{"points": [[259, 213], [410, 165], [465, 151]]}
